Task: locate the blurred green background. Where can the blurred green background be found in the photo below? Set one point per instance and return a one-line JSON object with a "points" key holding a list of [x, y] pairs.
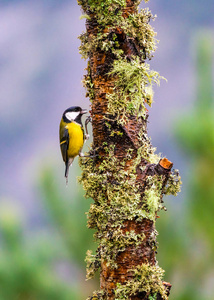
{"points": [[43, 234]]}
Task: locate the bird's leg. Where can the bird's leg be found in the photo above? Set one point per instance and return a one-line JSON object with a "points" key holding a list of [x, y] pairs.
{"points": [[88, 119], [82, 155], [90, 155]]}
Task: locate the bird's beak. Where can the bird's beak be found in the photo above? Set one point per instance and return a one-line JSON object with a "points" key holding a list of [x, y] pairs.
{"points": [[84, 111]]}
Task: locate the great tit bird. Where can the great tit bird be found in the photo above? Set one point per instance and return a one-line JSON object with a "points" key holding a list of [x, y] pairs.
{"points": [[71, 135]]}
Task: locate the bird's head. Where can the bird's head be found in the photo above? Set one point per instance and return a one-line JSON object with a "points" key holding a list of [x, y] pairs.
{"points": [[73, 113]]}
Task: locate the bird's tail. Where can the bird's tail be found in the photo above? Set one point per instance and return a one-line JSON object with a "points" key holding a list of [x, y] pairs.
{"points": [[67, 165]]}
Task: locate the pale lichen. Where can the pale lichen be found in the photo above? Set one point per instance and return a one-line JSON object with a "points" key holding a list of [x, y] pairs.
{"points": [[173, 186], [117, 197], [146, 279], [133, 81], [98, 295]]}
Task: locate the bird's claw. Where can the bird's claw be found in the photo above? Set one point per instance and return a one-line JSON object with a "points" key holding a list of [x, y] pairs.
{"points": [[87, 136], [88, 119]]}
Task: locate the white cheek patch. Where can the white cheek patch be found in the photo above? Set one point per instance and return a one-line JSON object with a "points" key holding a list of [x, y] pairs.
{"points": [[71, 115]]}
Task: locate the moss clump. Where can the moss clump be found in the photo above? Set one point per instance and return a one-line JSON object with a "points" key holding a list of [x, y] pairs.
{"points": [[88, 84], [97, 295], [105, 12], [173, 186], [92, 264], [133, 77], [137, 26], [146, 279], [113, 188], [153, 203], [108, 17], [133, 85], [115, 242], [110, 246], [117, 197]]}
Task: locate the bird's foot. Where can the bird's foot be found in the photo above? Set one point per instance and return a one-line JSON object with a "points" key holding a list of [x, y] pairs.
{"points": [[88, 119], [87, 136]]}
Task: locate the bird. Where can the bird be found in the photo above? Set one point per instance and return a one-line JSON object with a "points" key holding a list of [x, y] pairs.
{"points": [[71, 135]]}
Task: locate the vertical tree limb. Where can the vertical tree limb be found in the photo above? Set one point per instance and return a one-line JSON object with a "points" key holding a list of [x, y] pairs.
{"points": [[126, 179]]}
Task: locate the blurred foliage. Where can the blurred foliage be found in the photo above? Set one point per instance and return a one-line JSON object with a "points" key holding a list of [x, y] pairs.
{"points": [[50, 266], [187, 238], [26, 272], [67, 208]]}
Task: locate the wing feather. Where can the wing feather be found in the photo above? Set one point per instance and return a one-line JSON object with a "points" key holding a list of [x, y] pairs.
{"points": [[64, 143]]}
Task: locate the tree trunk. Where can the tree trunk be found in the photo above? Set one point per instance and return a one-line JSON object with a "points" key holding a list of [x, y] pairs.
{"points": [[124, 176]]}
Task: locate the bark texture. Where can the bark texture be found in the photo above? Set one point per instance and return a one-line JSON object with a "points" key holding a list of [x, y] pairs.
{"points": [[126, 179]]}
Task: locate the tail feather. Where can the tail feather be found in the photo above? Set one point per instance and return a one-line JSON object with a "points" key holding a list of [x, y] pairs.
{"points": [[67, 165], [66, 169]]}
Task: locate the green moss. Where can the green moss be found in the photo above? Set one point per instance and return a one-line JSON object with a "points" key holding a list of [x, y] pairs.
{"points": [[93, 43], [145, 149], [109, 17], [88, 84], [153, 198], [146, 279], [173, 186], [97, 295], [137, 27], [92, 264], [115, 242], [131, 88], [117, 199], [105, 12], [133, 79]]}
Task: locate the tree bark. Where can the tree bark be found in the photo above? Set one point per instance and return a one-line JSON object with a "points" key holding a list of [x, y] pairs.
{"points": [[125, 177]]}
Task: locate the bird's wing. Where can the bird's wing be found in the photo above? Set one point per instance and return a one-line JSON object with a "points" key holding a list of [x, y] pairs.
{"points": [[64, 143], [83, 133]]}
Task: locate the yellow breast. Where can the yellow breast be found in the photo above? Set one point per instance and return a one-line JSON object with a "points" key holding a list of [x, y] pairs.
{"points": [[76, 139]]}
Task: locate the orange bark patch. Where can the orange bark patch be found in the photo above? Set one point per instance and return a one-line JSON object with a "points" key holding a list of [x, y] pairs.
{"points": [[165, 163]]}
